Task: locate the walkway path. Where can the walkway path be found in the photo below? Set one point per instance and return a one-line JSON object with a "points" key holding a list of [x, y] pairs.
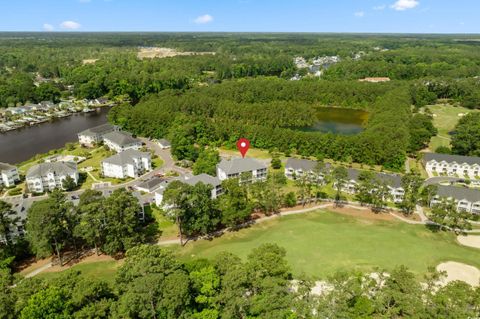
{"points": [[39, 270]]}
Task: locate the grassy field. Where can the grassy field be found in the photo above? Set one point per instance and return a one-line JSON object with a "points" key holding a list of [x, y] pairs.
{"points": [[321, 243], [445, 117], [104, 270]]}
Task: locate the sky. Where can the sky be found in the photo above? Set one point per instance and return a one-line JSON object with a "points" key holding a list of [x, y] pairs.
{"points": [[373, 16]]}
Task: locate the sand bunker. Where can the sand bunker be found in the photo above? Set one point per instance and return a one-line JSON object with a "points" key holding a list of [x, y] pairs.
{"points": [[458, 271], [470, 240]]}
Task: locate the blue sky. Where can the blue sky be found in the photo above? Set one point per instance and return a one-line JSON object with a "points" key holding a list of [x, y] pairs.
{"points": [[398, 16]]}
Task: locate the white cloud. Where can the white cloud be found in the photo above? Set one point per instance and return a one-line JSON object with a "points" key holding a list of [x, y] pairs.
{"points": [[48, 27], [402, 5], [70, 25], [206, 18], [359, 14], [379, 8]]}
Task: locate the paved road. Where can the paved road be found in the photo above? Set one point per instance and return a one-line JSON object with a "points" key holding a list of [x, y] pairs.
{"points": [[441, 179]]}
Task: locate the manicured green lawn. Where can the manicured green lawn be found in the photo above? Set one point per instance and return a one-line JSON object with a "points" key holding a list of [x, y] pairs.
{"points": [[321, 243], [445, 117], [104, 270]]}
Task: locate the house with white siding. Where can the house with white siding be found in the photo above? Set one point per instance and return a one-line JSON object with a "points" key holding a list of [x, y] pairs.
{"points": [[296, 168], [93, 136], [393, 182], [452, 165], [241, 167], [128, 163], [206, 179], [467, 199], [8, 175], [121, 141], [49, 176]]}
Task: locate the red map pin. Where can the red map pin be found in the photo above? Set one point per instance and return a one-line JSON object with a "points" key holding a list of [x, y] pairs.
{"points": [[243, 145]]}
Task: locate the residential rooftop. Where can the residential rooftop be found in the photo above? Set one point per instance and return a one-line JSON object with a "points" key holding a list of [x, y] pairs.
{"points": [[393, 180], [151, 184], [121, 138], [459, 159], [97, 130], [459, 193], [59, 168], [202, 178], [239, 165], [302, 164], [125, 157], [6, 167]]}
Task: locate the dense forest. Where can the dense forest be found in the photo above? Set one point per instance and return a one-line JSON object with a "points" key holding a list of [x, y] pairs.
{"points": [[446, 66], [268, 111]]}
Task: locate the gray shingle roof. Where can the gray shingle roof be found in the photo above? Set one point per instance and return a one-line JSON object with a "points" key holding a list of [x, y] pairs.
{"points": [[151, 184], [6, 167], [391, 179], [101, 129], [125, 157], [121, 138], [303, 164], [203, 178], [59, 168], [459, 193], [459, 159], [240, 165]]}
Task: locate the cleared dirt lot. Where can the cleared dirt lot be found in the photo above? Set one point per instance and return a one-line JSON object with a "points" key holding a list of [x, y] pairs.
{"points": [[154, 52]]}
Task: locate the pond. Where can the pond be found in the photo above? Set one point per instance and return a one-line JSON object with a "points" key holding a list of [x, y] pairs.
{"points": [[338, 121]]}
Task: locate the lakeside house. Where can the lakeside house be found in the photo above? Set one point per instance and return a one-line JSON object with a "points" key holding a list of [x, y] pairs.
{"points": [[467, 199], [164, 144], [452, 165], [93, 136], [206, 179], [128, 163], [247, 169], [393, 182], [8, 175], [296, 168], [49, 176], [120, 141]]}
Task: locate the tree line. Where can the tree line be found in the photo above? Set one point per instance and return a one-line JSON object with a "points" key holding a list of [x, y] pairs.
{"points": [[153, 283]]}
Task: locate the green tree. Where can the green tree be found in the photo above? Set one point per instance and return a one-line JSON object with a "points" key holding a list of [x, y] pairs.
{"points": [[234, 204], [411, 184], [290, 199], [339, 178], [466, 140], [123, 228], [448, 216], [7, 223], [48, 303], [48, 225], [206, 162], [93, 223], [68, 183], [276, 163], [365, 187]]}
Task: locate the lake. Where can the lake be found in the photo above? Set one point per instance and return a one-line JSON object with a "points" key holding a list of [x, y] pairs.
{"points": [[20, 145], [338, 121]]}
